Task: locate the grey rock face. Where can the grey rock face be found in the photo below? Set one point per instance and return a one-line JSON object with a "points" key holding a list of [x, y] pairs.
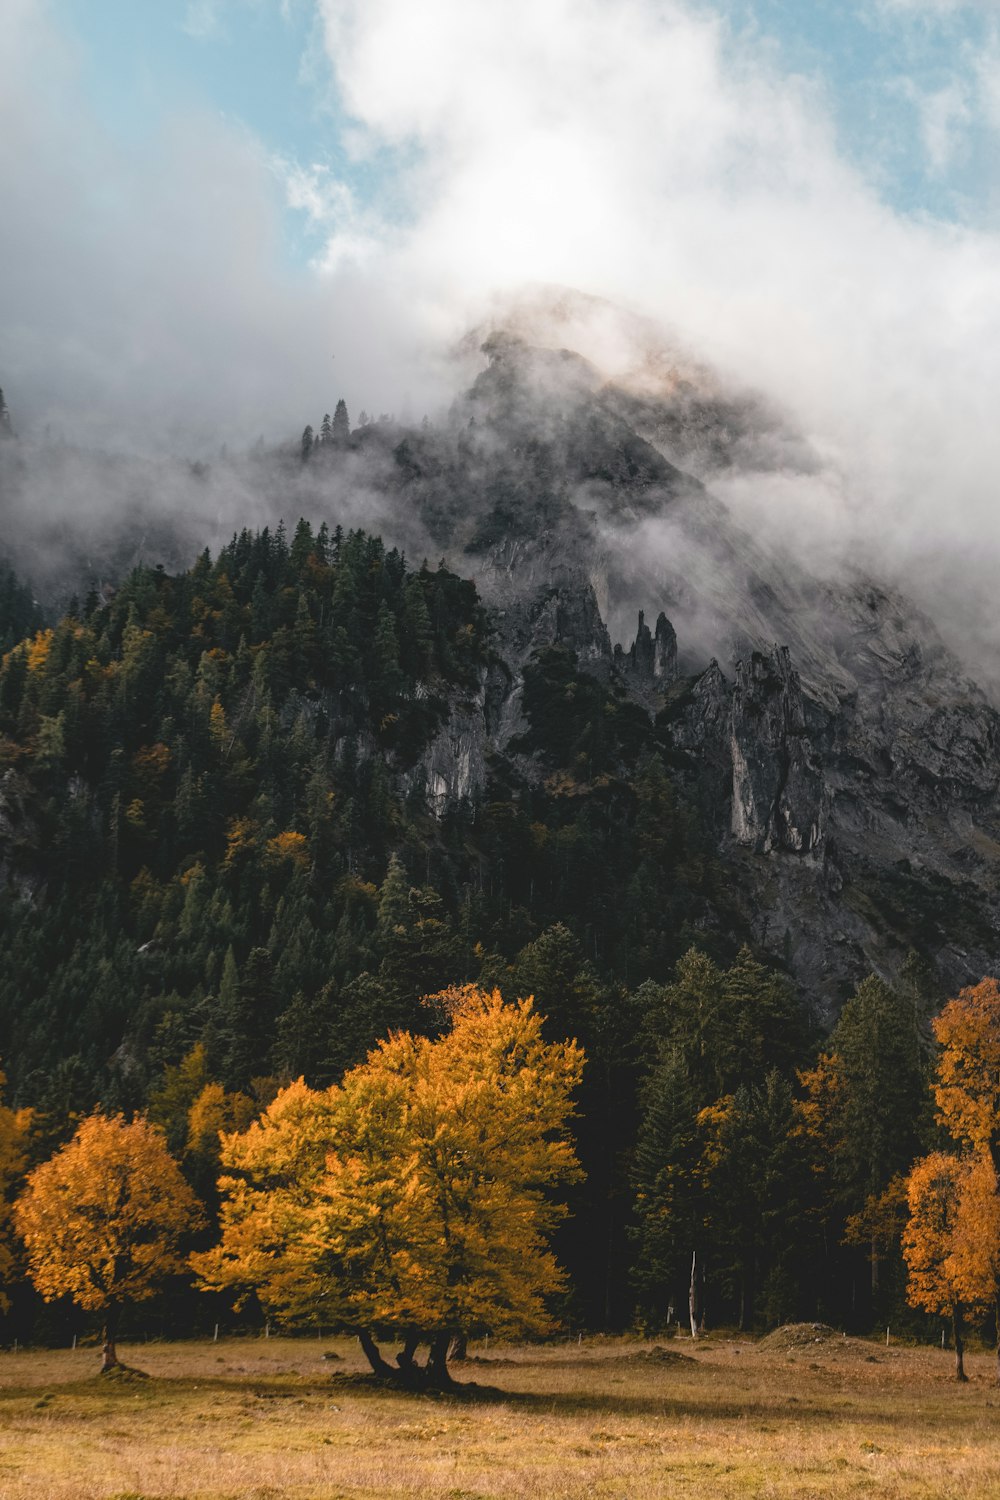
{"points": [[453, 767], [650, 664], [16, 830], [777, 785]]}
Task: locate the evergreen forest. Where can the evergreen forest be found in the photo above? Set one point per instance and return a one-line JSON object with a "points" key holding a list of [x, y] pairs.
{"points": [[222, 870]]}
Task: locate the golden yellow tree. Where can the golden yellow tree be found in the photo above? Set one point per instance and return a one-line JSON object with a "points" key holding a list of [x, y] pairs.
{"points": [[415, 1199], [14, 1129], [104, 1218]]}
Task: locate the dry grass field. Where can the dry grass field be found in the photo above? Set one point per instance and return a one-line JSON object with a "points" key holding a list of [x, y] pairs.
{"points": [[271, 1419]]}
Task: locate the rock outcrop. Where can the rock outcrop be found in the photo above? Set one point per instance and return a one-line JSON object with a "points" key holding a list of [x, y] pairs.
{"points": [[850, 768], [777, 784]]}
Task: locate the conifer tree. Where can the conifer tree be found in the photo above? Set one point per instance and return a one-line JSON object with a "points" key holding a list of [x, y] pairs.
{"points": [[15, 1127], [341, 428], [865, 1107]]}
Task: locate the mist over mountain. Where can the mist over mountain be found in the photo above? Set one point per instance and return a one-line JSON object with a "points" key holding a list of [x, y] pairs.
{"points": [[842, 754]]}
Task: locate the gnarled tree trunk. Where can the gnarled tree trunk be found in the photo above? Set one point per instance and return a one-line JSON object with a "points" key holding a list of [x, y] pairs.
{"points": [[437, 1363], [109, 1351], [374, 1357], [404, 1358]]}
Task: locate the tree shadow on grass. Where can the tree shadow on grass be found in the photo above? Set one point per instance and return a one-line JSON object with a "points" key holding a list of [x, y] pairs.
{"points": [[663, 1404]]}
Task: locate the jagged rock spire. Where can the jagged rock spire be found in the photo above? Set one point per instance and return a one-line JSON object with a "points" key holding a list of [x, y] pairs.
{"points": [[651, 661]]}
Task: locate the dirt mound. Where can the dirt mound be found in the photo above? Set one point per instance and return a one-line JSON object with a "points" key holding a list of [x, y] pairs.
{"points": [[800, 1336], [657, 1355]]}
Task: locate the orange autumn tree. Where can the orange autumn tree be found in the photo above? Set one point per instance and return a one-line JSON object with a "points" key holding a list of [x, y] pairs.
{"points": [[415, 1199], [952, 1243], [103, 1219]]}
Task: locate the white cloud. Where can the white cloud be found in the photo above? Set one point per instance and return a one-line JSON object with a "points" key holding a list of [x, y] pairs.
{"points": [[145, 292], [946, 115], [634, 152], [631, 150]]}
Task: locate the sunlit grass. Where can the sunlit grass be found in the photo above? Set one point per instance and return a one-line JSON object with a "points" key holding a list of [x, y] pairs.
{"points": [[270, 1419]]}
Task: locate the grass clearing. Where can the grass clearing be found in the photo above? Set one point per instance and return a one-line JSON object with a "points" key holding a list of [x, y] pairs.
{"points": [[610, 1420]]}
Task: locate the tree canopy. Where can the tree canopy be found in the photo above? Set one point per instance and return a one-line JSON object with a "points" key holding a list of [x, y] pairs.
{"points": [[414, 1199], [103, 1220]]}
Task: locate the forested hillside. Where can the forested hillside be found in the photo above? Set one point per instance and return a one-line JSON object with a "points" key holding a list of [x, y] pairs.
{"points": [[254, 811], [223, 868]]}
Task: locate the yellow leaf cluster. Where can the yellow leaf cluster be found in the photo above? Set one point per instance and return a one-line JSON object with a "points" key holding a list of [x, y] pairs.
{"points": [[217, 727], [968, 1089], [214, 1113], [289, 846], [241, 839], [39, 650]]}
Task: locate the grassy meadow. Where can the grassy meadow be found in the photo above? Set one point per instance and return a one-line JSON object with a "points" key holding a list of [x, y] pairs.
{"points": [[609, 1418]]}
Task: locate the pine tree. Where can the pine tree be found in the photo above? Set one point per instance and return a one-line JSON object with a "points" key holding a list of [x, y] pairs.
{"points": [[341, 428], [15, 1128], [669, 1228], [307, 443], [865, 1105]]}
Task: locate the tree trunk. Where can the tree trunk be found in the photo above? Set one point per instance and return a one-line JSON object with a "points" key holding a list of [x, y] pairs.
{"points": [[998, 1340], [404, 1358], [437, 1363], [956, 1328], [459, 1348], [696, 1311], [373, 1356], [110, 1353]]}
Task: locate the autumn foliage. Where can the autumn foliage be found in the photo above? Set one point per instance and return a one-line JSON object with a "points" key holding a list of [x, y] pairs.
{"points": [[952, 1241], [103, 1220], [968, 1088], [415, 1198]]}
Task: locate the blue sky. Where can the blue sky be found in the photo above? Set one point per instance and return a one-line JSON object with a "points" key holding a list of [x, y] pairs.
{"points": [[219, 216], [260, 65], [882, 67], [896, 78], [214, 207]]}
